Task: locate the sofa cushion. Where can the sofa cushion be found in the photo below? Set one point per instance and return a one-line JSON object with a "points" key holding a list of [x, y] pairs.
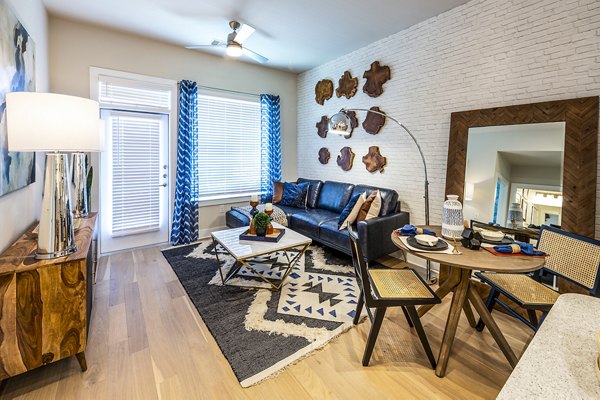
{"points": [[329, 232], [308, 221], [350, 212], [313, 191], [334, 196], [389, 198], [277, 192], [294, 194], [289, 211]]}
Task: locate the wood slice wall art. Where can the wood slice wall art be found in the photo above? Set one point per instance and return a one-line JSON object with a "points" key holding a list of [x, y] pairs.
{"points": [[347, 86], [323, 126], [324, 155], [346, 158], [373, 160], [376, 76], [353, 122], [323, 91], [374, 122]]}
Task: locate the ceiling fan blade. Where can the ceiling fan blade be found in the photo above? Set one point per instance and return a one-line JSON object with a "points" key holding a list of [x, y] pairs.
{"points": [[215, 43], [244, 33], [255, 56]]}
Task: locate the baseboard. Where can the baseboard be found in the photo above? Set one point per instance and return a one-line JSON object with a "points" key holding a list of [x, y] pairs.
{"points": [[205, 233]]}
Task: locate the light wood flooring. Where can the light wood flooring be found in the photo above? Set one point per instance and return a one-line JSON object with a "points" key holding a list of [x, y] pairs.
{"points": [[147, 341]]}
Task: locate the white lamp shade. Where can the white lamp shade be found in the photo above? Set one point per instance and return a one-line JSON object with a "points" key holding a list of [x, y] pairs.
{"points": [[52, 122]]}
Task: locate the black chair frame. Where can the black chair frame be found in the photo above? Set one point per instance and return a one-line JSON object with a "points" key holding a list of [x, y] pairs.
{"points": [[370, 298]]}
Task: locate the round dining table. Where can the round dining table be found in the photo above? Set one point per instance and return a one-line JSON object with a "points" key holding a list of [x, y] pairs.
{"points": [[459, 281]]}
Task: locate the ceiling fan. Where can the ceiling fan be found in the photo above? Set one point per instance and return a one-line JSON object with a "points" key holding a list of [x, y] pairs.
{"points": [[233, 45]]}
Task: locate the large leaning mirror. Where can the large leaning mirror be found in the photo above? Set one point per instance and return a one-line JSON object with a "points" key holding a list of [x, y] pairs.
{"points": [[514, 174], [579, 118]]}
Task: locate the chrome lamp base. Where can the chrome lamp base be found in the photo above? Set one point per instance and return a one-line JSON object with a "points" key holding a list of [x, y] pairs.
{"points": [[80, 203], [56, 237]]}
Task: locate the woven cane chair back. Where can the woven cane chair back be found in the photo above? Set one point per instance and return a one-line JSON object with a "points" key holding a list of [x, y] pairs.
{"points": [[575, 257]]}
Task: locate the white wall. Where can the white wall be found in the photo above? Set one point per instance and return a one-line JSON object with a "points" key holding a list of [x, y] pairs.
{"points": [[485, 53], [74, 47], [20, 209]]}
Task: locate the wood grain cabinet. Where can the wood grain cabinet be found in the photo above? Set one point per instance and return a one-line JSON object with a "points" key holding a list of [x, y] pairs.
{"points": [[45, 305]]}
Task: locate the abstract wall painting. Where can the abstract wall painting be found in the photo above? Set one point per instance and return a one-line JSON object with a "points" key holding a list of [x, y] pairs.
{"points": [[17, 74]]}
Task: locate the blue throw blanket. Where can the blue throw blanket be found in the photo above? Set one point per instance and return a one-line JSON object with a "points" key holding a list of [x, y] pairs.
{"points": [[519, 247]]}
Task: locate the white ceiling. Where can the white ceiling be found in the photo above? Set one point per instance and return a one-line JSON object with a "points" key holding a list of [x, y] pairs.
{"points": [[543, 159], [295, 35]]}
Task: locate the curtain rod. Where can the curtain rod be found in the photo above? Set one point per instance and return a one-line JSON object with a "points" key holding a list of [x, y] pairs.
{"points": [[227, 90]]}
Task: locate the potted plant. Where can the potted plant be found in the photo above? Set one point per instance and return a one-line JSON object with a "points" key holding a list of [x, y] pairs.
{"points": [[261, 223]]}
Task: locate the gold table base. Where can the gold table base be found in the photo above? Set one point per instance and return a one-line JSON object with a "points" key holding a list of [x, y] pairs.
{"points": [[243, 262]]}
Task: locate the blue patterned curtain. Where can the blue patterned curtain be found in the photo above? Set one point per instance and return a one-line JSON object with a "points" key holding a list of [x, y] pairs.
{"points": [[185, 215], [271, 144]]}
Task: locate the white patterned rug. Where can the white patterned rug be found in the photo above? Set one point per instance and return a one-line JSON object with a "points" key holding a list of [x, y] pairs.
{"points": [[260, 332]]}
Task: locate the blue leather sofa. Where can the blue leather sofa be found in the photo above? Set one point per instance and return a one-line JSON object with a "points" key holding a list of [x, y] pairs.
{"points": [[319, 220]]}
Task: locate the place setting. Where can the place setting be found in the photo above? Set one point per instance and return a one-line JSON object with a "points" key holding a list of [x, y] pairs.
{"points": [[500, 244], [423, 240]]}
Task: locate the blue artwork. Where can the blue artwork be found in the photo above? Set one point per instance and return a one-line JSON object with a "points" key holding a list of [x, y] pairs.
{"points": [[17, 74]]}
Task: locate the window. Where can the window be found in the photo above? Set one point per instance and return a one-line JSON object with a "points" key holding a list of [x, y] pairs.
{"points": [[229, 146]]}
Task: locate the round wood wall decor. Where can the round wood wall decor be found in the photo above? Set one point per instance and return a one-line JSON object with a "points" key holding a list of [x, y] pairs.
{"points": [[347, 86], [323, 126], [346, 158], [373, 160], [323, 91], [353, 123], [373, 122], [376, 76], [324, 155]]}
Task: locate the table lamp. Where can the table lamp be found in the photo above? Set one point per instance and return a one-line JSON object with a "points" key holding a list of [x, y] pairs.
{"points": [[55, 124], [79, 177]]}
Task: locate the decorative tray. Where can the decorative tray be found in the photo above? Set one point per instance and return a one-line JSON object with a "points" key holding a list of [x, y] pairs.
{"points": [[273, 237]]}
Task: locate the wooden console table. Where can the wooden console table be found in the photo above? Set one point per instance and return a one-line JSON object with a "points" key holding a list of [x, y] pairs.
{"points": [[45, 305]]}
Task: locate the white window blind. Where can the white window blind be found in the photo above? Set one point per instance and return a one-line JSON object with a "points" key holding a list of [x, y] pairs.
{"points": [[136, 169], [229, 146], [120, 93]]}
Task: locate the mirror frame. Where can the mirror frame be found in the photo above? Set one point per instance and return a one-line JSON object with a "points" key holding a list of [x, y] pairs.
{"points": [[580, 152]]}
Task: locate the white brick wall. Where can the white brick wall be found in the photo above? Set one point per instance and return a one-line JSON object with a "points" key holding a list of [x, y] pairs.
{"points": [[485, 53]]}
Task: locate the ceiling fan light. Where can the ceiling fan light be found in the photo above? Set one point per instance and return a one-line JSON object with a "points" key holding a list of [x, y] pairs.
{"points": [[233, 50]]}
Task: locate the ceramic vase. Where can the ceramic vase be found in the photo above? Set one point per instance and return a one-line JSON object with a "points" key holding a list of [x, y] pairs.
{"points": [[515, 216], [452, 218]]}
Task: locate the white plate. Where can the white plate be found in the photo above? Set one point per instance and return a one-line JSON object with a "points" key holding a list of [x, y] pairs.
{"points": [[492, 236], [426, 240]]}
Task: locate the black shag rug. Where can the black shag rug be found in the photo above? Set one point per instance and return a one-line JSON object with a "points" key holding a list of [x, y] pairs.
{"points": [[260, 332]]}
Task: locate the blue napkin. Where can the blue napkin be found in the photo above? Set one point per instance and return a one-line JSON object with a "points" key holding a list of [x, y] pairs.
{"points": [[411, 230], [519, 247]]}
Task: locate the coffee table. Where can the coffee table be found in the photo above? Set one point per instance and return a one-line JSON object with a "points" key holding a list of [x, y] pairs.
{"points": [[245, 250]]}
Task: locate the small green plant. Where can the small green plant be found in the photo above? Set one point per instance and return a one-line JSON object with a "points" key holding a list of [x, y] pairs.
{"points": [[261, 222]]}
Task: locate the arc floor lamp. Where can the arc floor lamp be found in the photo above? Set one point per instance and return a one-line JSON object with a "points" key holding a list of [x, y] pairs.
{"points": [[340, 124]]}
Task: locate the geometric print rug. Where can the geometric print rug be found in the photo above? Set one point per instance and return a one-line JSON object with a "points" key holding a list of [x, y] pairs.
{"points": [[260, 332]]}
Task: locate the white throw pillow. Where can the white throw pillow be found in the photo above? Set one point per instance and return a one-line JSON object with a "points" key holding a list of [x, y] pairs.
{"points": [[375, 207], [354, 213]]}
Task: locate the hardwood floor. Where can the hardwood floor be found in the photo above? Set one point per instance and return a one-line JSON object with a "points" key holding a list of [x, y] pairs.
{"points": [[147, 341]]}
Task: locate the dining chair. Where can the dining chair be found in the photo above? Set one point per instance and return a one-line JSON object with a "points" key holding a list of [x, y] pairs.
{"points": [[569, 256], [381, 288]]}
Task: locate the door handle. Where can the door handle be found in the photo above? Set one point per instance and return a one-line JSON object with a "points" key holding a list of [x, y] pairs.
{"points": [[163, 185]]}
